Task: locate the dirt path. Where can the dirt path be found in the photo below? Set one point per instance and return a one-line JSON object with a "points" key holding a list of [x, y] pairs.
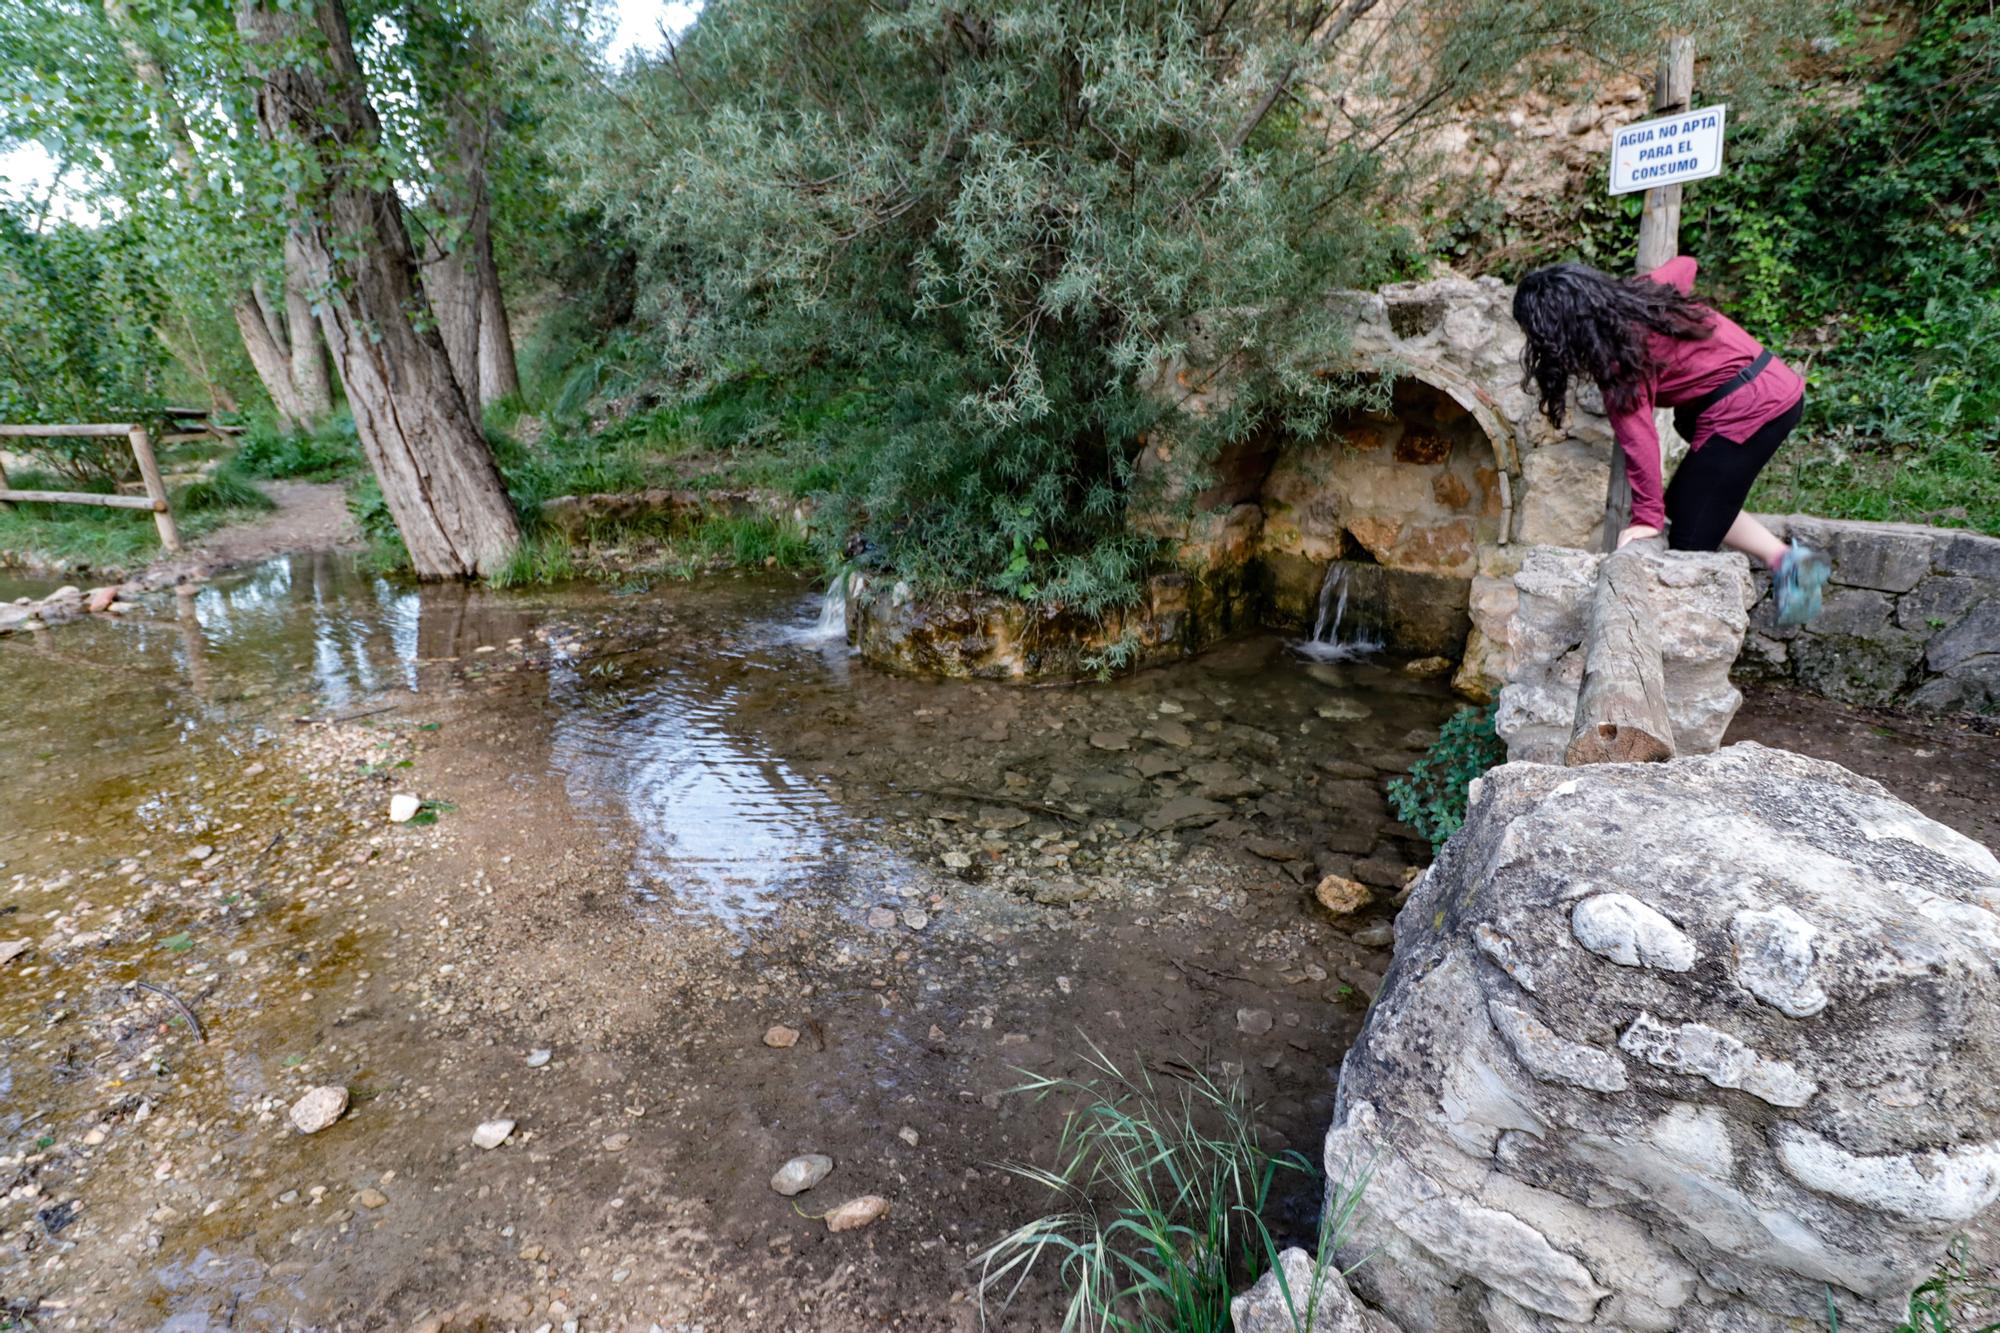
{"points": [[311, 516]]}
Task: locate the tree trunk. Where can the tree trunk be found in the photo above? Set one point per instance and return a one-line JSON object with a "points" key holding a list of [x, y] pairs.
{"points": [[1621, 709], [310, 376], [499, 377], [271, 362], [453, 276], [437, 474]]}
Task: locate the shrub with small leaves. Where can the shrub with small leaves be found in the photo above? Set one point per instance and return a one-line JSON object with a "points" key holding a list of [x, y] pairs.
{"points": [[1432, 798]]}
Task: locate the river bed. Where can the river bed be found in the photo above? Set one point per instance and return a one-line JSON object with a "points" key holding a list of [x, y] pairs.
{"points": [[658, 824]]}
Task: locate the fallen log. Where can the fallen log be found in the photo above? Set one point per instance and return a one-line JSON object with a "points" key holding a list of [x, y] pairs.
{"points": [[1621, 708]]}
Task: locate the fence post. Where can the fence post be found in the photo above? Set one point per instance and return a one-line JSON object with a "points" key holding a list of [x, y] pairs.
{"points": [[156, 489], [6, 506]]}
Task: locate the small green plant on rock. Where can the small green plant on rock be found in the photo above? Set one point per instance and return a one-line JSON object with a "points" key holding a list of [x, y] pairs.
{"points": [[1164, 1193], [1431, 799]]}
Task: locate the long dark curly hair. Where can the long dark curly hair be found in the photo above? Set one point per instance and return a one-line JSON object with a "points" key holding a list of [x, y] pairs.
{"points": [[1581, 321]]}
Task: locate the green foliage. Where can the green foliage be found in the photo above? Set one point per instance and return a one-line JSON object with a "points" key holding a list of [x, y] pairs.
{"points": [[1432, 798], [1866, 250], [386, 551], [225, 491], [994, 229], [1163, 1197], [328, 453], [76, 341], [120, 539]]}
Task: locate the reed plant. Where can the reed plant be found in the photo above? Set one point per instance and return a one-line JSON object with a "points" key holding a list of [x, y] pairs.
{"points": [[1163, 1192]]}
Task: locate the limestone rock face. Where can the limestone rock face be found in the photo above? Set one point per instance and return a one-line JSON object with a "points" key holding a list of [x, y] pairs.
{"points": [[1702, 602], [1677, 1047]]}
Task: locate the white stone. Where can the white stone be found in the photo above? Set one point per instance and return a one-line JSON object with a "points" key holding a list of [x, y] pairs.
{"points": [[1583, 1142], [1310, 1300], [1628, 932], [1954, 1186], [1774, 960], [1696, 1048], [492, 1133], [801, 1173], [1553, 1058], [319, 1109], [403, 808]]}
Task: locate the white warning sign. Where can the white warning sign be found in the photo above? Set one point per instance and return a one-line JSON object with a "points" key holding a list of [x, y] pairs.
{"points": [[1672, 150]]}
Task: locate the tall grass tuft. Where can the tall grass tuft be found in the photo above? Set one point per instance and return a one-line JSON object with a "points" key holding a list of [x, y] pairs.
{"points": [[1163, 1193]]}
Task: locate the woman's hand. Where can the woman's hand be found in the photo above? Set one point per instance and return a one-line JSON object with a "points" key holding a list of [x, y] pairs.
{"points": [[1638, 532]]}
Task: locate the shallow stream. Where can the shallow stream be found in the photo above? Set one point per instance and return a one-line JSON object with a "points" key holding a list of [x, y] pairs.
{"points": [[658, 825]]}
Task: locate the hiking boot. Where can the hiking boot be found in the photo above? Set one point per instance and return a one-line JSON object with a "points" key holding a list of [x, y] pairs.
{"points": [[1797, 581]]}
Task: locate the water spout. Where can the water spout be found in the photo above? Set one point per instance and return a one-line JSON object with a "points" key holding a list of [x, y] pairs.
{"points": [[832, 623], [1326, 645]]}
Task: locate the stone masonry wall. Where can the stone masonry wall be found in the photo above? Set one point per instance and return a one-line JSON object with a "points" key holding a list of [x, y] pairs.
{"points": [[1912, 617]]}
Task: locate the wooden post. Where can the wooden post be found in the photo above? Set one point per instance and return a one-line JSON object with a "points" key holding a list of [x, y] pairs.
{"points": [[1659, 241], [156, 489], [1621, 711], [5, 507]]}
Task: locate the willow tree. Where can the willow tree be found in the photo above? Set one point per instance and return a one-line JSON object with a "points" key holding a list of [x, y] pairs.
{"points": [[1003, 219], [418, 427]]}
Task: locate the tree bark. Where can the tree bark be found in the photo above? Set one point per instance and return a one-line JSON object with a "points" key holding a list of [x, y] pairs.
{"points": [[272, 363], [310, 377], [499, 376], [1621, 710], [438, 475]]}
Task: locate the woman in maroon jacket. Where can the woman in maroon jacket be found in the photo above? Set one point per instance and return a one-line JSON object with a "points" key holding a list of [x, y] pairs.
{"points": [[1647, 342]]}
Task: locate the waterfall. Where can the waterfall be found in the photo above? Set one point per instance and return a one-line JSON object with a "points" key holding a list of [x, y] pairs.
{"points": [[1326, 645], [832, 623]]}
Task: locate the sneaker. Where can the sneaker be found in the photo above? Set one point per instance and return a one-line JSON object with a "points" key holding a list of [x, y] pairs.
{"points": [[1797, 581]]}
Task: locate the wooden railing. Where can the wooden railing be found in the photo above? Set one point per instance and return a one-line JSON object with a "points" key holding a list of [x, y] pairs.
{"points": [[155, 498]]}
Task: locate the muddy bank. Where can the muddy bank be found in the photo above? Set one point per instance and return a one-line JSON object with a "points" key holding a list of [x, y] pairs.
{"points": [[663, 824]]}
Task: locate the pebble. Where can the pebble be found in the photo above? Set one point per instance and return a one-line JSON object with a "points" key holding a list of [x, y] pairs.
{"points": [[1255, 1022], [1341, 895], [857, 1213], [403, 808], [1102, 740], [916, 919], [13, 949], [907, 1135], [371, 1198], [492, 1133], [957, 860], [539, 1057], [617, 1143], [884, 918], [801, 1173], [1378, 936], [780, 1038], [319, 1108]]}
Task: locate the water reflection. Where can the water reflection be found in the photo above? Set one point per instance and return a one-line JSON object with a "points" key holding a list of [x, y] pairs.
{"points": [[725, 826]]}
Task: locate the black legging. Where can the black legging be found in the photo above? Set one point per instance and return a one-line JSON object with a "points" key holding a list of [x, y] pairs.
{"points": [[1712, 482]]}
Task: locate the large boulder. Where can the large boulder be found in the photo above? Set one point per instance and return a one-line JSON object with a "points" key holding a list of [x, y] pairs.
{"points": [[1702, 602], [1696, 1046]]}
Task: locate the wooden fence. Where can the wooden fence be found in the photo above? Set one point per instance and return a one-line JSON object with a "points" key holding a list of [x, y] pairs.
{"points": [[155, 498]]}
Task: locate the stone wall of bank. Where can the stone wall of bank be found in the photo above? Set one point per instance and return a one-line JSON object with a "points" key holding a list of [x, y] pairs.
{"points": [[1912, 617]]}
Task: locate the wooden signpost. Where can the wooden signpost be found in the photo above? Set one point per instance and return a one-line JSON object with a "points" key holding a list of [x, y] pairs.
{"points": [[155, 498], [1659, 241], [1621, 705]]}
